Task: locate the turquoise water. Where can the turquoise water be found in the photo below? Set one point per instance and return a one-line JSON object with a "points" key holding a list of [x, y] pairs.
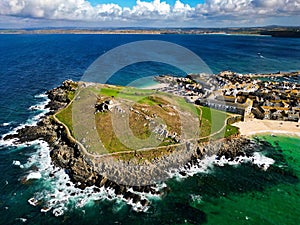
{"points": [[243, 194], [143, 82], [274, 204]]}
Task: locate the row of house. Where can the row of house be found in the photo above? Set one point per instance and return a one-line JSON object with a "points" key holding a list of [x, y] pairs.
{"points": [[269, 100], [240, 94]]}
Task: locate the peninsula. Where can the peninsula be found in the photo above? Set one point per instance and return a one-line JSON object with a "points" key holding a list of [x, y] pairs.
{"points": [[171, 127]]}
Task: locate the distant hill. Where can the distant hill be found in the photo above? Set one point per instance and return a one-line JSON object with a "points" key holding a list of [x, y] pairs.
{"points": [[290, 34], [275, 31]]}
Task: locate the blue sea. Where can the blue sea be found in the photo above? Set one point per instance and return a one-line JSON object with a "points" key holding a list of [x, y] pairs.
{"points": [[221, 194]]}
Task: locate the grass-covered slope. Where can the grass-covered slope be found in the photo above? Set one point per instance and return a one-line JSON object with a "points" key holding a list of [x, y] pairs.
{"points": [[144, 111]]}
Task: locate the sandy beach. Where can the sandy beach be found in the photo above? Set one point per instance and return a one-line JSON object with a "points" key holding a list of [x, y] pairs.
{"points": [[255, 126], [155, 86]]}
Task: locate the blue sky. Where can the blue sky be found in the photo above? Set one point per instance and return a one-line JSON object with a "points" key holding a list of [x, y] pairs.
{"points": [[131, 3], [148, 13]]}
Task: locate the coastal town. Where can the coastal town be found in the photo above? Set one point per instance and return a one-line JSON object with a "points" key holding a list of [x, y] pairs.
{"points": [[251, 96]]}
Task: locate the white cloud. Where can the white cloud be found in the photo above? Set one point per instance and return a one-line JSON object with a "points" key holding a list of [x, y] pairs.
{"points": [[59, 9], [182, 11], [179, 7], [157, 10]]}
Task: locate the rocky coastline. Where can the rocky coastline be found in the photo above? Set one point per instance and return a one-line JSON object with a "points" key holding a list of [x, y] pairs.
{"points": [[66, 154]]}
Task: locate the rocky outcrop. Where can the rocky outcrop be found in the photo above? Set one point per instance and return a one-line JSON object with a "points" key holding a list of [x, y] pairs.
{"points": [[60, 96]]}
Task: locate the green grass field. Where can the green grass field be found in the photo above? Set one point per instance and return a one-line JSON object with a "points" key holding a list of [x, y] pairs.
{"points": [[148, 103], [212, 121], [65, 116]]}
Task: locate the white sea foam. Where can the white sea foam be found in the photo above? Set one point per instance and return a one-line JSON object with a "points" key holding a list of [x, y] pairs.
{"points": [[196, 198], [33, 201], [257, 159], [41, 105], [23, 220], [16, 163], [43, 95], [6, 124], [207, 164], [34, 176], [41, 111], [41, 108], [148, 195], [45, 209], [59, 211], [57, 189]]}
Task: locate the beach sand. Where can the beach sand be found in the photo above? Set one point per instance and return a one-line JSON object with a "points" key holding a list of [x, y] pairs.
{"points": [[255, 126], [155, 86]]}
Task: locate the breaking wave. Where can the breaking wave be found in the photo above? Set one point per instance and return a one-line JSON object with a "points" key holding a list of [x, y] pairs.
{"points": [[58, 190], [39, 109], [207, 164]]}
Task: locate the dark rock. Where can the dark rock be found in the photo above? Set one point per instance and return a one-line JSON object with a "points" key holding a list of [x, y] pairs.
{"points": [[136, 198], [119, 189], [127, 195], [144, 202], [182, 173], [198, 151]]}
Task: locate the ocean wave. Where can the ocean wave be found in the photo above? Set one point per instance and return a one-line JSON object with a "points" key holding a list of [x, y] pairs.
{"points": [[196, 198], [207, 164], [41, 110], [43, 95], [18, 164], [7, 144], [23, 220], [6, 124], [41, 105], [58, 191], [59, 194], [34, 176]]}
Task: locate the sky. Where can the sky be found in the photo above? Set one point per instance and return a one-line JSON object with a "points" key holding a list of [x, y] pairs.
{"points": [[148, 13]]}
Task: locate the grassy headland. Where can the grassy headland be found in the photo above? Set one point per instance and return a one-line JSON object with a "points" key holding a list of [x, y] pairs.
{"points": [[145, 110]]}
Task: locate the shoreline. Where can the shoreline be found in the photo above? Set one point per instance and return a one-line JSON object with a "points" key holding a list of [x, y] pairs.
{"points": [[254, 126], [275, 74], [127, 179], [85, 171], [154, 86]]}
